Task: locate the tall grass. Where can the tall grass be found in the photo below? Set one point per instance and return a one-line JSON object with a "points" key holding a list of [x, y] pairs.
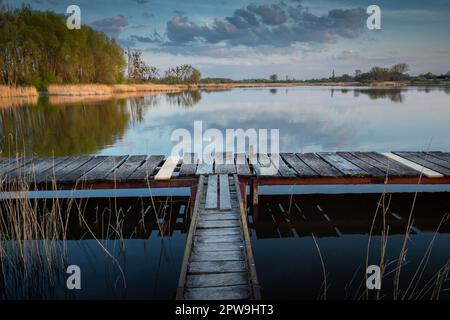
{"points": [[13, 92]]}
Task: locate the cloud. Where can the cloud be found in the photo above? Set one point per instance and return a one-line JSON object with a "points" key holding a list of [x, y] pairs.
{"points": [[274, 25], [112, 26]]}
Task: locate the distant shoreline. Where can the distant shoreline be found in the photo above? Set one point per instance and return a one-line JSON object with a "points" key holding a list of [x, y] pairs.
{"points": [[110, 90]]}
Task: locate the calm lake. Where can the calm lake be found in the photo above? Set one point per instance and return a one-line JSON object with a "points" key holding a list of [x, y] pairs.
{"points": [[132, 248], [310, 119]]}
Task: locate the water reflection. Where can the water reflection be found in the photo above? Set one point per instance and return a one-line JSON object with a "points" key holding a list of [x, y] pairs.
{"points": [[310, 119], [126, 249], [184, 99], [395, 95], [289, 264], [69, 129]]}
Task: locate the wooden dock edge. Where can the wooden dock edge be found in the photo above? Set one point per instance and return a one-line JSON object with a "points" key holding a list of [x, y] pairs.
{"points": [[189, 240], [255, 293]]}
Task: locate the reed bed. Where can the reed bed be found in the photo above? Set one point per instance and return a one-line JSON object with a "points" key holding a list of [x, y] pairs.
{"points": [[34, 232], [14, 92], [79, 90]]}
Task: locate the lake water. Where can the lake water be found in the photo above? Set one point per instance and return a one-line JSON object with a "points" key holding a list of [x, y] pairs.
{"points": [[310, 119], [137, 253]]}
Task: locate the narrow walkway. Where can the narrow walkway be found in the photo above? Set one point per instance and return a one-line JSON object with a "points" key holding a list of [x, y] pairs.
{"points": [[218, 262]]}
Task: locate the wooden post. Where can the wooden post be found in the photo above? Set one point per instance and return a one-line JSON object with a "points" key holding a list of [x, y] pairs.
{"points": [[254, 195], [192, 202]]}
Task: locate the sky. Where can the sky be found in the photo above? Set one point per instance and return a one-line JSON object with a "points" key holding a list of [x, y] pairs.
{"points": [[243, 39]]}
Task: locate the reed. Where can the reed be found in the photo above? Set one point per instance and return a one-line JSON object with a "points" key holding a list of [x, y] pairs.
{"points": [[14, 92]]}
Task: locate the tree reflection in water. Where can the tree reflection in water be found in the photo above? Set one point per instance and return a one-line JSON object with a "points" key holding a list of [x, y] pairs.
{"points": [[62, 130]]}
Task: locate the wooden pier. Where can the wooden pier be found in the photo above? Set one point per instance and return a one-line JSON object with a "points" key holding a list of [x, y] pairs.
{"points": [[218, 260]]}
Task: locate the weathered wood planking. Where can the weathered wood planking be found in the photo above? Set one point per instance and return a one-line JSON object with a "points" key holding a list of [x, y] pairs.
{"points": [[426, 161], [50, 174], [202, 267], [104, 168], [165, 173], [72, 166], [242, 167], [205, 166], [218, 258], [298, 165], [445, 156], [318, 165], [281, 166], [343, 165], [394, 166], [147, 168], [218, 293], [29, 171], [79, 171], [224, 163], [419, 168], [189, 165], [224, 193], [125, 169], [367, 167], [211, 193], [14, 165]]}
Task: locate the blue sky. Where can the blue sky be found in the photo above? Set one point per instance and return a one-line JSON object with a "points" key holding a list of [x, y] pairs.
{"points": [[295, 38]]}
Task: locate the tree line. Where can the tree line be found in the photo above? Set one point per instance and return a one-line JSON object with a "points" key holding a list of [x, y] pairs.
{"points": [[139, 71], [37, 48]]}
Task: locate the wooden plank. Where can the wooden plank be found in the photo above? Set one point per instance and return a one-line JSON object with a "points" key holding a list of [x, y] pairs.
{"points": [[218, 232], [165, 173], [216, 279], [146, 169], [371, 170], [80, 171], [427, 161], [189, 165], [126, 169], [218, 256], [382, 166], [208, 224], [216, 266], [218, 216], [211, 193], [50, 174], [441, 155], [15, 165], [264, 166], [242, 167], [219, 238], [318, 165], [394, 166], [103, 169], [27, 172], [224, 195], [222, 246], [47, 164], [282, 168], [205, 168], [419, 168], [442, 158], [343, 165], [74, 165], [298, 165], [224, 163], [218, 293]]}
